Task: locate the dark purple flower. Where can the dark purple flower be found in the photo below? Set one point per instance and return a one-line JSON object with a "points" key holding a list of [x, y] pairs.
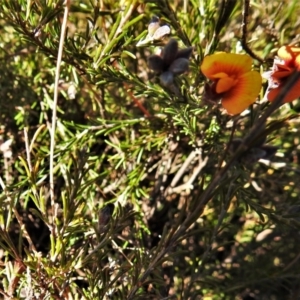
{"points": [[171, 62], [104, 216], [255, 152]]}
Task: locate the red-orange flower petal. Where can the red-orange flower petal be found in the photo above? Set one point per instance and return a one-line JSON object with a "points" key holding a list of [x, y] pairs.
{"points": [[282, 72], [243, 94], [293, 93], [289, 61], [289, 54], [229, 63]]}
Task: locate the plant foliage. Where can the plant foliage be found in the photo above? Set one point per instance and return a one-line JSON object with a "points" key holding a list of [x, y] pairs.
{"points": [[157, 194]]}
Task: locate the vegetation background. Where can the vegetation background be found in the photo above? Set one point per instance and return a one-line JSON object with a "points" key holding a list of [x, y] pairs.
{"points": [[148, 200]]}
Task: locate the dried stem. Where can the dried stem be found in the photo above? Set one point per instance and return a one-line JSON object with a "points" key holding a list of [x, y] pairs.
{"points": [[54, 111]]}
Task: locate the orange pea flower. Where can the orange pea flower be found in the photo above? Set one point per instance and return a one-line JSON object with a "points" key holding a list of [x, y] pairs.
{"points": [[233, 81], [288, 60]]}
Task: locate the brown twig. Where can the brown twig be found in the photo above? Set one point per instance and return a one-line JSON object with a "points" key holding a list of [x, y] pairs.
{"points": [[245, 32], [137, 102]]}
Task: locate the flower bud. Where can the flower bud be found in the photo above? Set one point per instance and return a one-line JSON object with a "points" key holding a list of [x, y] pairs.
{"points": [[166, 78], [179, 66]]}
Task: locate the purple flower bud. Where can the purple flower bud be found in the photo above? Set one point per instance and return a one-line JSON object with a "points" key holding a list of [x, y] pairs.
{"points": [[184, 53], [179, 66], [166, 78], [269, 151], [253, 154], [104, 216], [170, 51], [156, 63]]}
